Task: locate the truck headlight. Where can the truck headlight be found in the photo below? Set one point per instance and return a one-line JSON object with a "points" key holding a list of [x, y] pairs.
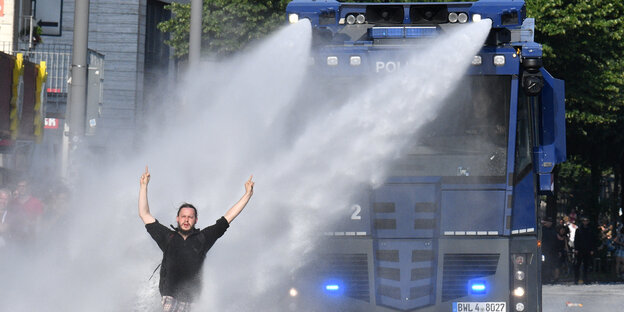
{"points": [[499, 60], [355, 60], [351, 19], [518, 292], [360, 19], [293, 292], [293, 18], [452, 17], [462, 17], [476, 18], [332, 60]]}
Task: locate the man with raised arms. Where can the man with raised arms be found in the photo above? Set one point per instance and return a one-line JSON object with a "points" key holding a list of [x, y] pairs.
{"points": [[184, 248]]}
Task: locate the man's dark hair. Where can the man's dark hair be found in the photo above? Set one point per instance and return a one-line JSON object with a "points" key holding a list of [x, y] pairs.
{"points": [[187, 205]]}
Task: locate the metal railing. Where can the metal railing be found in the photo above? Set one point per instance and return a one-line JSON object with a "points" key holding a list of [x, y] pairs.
{"points": [[58, 63], [58, 58]]}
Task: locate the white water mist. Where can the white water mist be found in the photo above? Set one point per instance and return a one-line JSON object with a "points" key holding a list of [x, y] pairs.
{"points": [[232, 119]]}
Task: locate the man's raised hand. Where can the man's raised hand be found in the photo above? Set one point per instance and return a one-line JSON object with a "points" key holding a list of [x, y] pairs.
{"points": [[231, 214], [145, 177], [144, 211], [249, 186]]}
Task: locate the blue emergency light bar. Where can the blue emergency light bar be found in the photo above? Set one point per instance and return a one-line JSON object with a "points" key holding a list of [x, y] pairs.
{"points": [[478, 287], [402, 32], [332, 287], [421, 32], [386, 32]]}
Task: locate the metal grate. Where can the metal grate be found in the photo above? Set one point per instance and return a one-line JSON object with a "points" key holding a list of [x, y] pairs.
{"points": [[390, 291], [460, 268], [352, 269], [389, 273], [420, 273], [423, 220], [420, 291], [384, 208], [411, 285], [385, 224], [388, 255], [422, 255]]}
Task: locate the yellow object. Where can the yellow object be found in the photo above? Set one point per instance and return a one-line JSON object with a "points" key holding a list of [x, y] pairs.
{"points": [[18, 70], [42, 75]]}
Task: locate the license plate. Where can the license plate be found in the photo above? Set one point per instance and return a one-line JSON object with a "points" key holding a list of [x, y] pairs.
{"points": [[479, 307]]}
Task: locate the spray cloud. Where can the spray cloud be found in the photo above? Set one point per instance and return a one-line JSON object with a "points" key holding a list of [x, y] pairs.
{"points": [[243, 116]]}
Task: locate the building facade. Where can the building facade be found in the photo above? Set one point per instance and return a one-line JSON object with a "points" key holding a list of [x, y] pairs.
{"points": [[125, 33], [123, 40]]}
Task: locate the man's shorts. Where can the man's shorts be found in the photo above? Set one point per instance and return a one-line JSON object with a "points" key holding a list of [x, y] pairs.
{"points": [[170, 304]]}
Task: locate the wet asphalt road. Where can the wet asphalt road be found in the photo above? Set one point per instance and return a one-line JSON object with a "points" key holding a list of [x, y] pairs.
{"points": [[583, 298]]}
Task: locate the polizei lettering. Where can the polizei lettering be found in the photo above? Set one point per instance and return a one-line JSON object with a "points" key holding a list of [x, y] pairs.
{"points": [[388, 67]]}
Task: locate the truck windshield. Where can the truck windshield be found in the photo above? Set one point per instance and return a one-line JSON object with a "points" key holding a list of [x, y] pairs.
{"points": [[468, 137]]}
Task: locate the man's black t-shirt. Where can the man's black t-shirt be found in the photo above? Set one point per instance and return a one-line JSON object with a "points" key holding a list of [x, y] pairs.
{"points": [[180, 271]]}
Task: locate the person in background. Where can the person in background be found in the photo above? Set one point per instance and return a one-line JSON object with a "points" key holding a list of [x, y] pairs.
{"points": [[27, 212], [572, 215], [184, 248], [561, 248], [5, 198], [584, 248], [56, 215], [549, 252], [619, 253], [572, 227]]}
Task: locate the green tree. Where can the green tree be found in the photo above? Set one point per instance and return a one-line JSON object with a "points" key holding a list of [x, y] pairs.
{"points": [[582, 41], [227, 25]]}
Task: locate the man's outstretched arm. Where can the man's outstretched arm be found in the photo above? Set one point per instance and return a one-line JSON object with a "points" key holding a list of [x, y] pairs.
{"points": [[231, 214], [144, 211]]}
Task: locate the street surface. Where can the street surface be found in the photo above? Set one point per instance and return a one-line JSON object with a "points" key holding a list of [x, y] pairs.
{"points": [[586, 298]]}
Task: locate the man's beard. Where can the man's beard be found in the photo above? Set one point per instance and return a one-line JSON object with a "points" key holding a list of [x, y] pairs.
{"points": [[185, 232]]}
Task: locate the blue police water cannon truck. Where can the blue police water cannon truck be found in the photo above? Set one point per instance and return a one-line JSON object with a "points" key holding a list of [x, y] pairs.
{"points": [[454, 227]]}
